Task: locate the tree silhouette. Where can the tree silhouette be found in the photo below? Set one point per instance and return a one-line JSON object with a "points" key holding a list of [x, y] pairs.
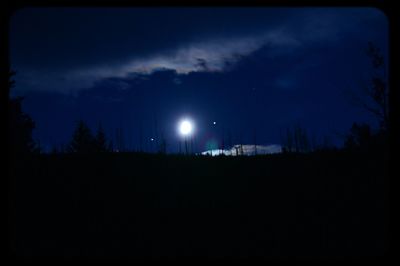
{"points": [[20, 125], [359, 136], [376, 90], [289, 140], [82, 139], [20, 128], [376, 102], [100, 141], [10, 82], [296, 140], [362, 138]]}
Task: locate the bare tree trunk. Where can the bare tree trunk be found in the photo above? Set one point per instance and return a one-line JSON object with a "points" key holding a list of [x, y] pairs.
{"points": [[229, 139], [191, 144], [255, 143], [289, 140], [141, 138]]}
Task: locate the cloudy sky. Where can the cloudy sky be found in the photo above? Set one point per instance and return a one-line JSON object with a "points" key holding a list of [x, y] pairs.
{"points": [[253, 71]]}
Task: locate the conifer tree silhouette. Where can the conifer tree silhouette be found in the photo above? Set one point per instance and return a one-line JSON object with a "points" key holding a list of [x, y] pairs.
{"points": [[100, 140], [82, 140], [20, 125]]}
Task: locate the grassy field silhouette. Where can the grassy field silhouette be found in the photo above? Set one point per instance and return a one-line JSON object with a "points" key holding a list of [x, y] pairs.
{"points": [[162, 206]]}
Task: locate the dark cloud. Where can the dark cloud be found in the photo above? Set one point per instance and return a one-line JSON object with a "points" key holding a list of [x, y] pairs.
{"points": [[69, 49]]}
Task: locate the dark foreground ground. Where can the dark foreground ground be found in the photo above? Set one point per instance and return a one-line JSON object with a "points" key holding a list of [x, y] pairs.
{"points": [[152, 206]]}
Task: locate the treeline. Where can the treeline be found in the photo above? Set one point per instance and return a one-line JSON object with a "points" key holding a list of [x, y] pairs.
{"points": [[360, 138], [84, 141], [373, 98], [297, 140]]}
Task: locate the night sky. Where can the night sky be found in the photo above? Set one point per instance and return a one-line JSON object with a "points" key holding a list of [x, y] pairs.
{"points": [[250, 70]]}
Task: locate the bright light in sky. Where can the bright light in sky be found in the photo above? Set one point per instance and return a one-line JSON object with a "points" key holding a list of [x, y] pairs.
{"points": [[185, 127], [214, 123]]}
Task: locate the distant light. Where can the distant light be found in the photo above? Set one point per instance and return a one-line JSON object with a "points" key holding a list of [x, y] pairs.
{"points": [[214, 123], [185, 127], [151, 139]]}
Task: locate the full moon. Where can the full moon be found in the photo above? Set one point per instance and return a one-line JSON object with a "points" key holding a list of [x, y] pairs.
{"points": [[185, 127]]}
